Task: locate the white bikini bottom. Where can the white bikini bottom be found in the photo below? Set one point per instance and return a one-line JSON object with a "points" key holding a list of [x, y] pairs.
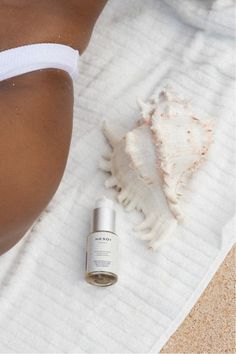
{"points": [[27, 58]]}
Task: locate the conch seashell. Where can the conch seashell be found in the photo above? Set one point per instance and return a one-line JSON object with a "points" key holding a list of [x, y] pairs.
{"points": [[151, 164]]}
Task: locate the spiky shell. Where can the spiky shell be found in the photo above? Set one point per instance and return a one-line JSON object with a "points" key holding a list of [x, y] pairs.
{"points": [[182, 141], [151, 164]]}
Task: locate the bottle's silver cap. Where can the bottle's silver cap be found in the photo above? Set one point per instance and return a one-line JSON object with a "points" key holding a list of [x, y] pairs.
{"points": [[104, 215]]}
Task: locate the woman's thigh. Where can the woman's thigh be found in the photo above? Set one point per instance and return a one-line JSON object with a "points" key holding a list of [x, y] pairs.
{"points": [[36, 109], [35, 134]]}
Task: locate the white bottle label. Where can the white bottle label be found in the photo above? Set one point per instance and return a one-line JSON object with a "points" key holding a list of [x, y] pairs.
{"points": [[102, 252]]}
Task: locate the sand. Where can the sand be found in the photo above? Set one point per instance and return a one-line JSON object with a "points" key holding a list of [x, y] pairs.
{"points": [[210, 326]]}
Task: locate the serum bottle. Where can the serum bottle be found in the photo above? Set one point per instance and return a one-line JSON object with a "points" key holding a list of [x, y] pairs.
{"points": [[102, 245]]}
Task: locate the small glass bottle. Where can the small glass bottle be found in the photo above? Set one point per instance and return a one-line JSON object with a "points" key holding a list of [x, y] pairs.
{"points": [[102, 246]]}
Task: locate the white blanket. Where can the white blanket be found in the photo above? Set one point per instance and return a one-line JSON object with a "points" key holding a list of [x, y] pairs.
{"points": [[137, 48]]}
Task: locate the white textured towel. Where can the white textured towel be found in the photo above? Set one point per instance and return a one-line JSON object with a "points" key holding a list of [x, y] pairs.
{"points": [[45, 305]]}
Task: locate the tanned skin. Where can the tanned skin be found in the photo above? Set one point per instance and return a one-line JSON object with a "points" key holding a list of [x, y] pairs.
{"points": [[36, 109]]}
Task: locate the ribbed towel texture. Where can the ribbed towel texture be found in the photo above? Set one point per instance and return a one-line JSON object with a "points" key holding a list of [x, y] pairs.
{"points": [[137, 48]]}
